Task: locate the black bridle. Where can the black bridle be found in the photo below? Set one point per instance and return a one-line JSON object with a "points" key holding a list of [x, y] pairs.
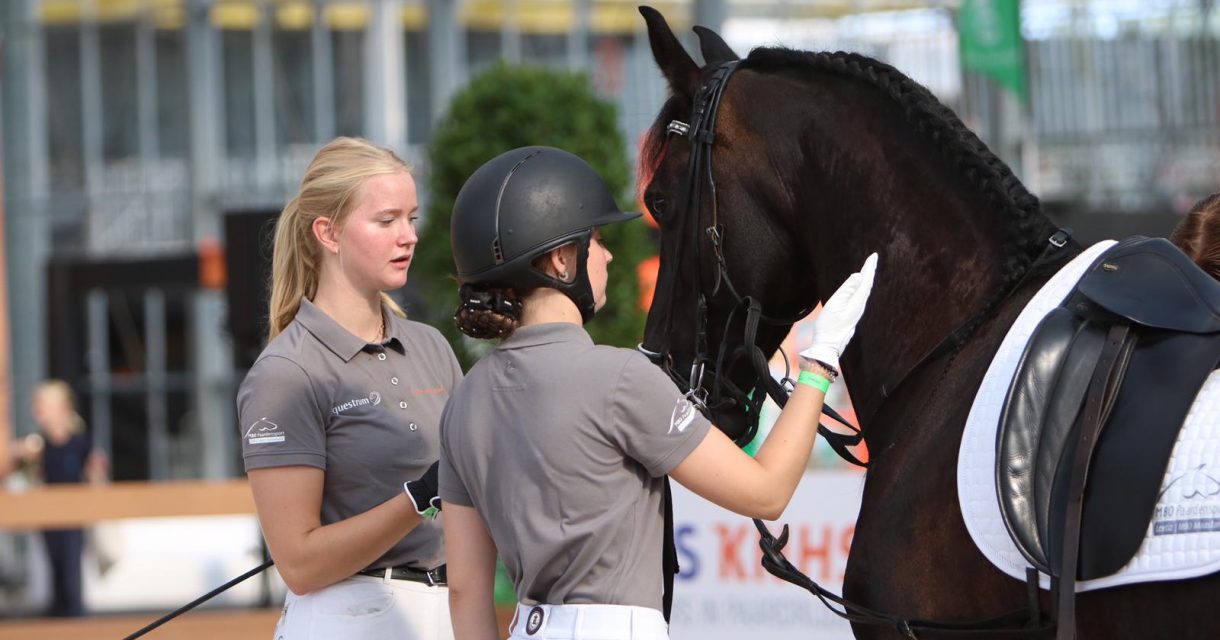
{"points": [[724, 394]]}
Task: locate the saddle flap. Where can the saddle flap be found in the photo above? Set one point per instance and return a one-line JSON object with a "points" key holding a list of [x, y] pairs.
{"points": [[1067, 401], [1153, 284], [1034, 402]]}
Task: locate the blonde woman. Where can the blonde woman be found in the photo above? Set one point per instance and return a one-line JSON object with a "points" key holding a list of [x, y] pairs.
{"points": [[64, 450], [343, 406]]}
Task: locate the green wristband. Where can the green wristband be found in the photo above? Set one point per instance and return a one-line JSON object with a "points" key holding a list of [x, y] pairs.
{"points": [[819, 382]]}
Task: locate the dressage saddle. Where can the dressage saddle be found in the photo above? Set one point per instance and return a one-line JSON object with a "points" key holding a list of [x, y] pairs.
{"points": [[1094, 409]]}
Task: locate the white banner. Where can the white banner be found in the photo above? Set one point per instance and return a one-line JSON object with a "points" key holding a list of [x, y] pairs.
{"points": [[723, 592]]}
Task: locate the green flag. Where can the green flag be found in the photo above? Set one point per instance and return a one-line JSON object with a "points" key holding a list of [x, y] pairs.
{"points": [[989, 33]]}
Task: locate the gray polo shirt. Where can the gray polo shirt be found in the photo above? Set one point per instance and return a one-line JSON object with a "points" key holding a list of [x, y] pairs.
{"points": [[365, 414], [561, 447]]}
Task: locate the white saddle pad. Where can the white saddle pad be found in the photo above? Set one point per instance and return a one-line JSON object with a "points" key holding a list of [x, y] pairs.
{"points": [[1183, 539]]}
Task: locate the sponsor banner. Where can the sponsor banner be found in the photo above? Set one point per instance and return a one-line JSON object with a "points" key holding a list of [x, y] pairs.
{"points": [[723, 592]]}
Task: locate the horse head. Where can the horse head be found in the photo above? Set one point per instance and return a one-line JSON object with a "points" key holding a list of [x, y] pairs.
{"points": [[721, 240], [772, 178]]}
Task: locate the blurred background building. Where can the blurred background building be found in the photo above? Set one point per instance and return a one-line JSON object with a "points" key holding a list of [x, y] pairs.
{"points": [[147, 142]]}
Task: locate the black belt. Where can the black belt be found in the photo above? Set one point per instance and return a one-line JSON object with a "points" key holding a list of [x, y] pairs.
{"points": [[435, 577]]}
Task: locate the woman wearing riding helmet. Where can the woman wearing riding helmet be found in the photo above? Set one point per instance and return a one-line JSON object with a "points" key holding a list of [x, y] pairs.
{"points": [[554, 450]]}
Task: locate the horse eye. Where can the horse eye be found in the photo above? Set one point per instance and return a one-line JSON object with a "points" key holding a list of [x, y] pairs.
{"points": [[657, 206]]}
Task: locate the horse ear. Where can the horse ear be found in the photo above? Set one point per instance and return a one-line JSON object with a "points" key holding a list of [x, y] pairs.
{"points": [[676, 64], [715, 50]]}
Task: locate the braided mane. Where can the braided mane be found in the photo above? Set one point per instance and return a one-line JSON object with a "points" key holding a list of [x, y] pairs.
{"points": [[1025, 227]]}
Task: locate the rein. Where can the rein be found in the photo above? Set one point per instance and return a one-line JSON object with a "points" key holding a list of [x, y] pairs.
{"points": [[1018, 623]]}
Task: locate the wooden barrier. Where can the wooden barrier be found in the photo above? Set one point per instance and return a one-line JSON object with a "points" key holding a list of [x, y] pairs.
{"points": [[78, 505], [243, 624]]}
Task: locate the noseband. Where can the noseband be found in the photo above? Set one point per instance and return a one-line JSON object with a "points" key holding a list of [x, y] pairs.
{"points": [[723, 393]]}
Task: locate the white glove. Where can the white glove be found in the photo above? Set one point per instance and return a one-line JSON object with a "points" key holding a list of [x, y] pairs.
{"points": [[836, 324]]}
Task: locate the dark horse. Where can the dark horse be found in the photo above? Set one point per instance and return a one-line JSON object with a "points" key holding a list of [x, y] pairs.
{"points": [[818, 160]]}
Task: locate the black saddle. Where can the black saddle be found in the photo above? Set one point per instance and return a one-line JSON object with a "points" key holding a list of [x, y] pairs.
{"points": [[1096, 404]]}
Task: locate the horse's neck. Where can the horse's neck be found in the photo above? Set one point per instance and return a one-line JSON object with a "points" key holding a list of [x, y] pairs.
{"points": [[941, 251], [878, 183]]}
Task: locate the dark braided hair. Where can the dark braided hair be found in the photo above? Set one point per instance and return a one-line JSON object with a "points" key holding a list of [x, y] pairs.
{"points": [[1198, 234], [487, 314], [1026, 229]]}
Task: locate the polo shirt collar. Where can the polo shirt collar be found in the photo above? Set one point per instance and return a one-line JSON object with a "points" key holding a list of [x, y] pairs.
{"points": [[546, 333], [340, 341]]}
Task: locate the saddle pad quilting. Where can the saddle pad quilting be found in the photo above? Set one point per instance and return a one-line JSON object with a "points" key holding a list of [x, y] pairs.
{"points": [[1183, 539]]}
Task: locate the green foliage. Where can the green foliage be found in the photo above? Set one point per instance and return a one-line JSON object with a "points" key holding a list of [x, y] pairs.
{"points": [[508, 107]]}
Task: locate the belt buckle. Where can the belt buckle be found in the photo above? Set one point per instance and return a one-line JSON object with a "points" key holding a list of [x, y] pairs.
{"points": [[433, 578]]}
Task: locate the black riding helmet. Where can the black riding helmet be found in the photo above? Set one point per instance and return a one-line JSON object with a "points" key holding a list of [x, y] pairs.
{"points": [[522, 204]]}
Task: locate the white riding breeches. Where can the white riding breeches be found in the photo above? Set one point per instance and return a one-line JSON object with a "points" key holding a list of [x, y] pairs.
{"points": [[587, 622], [368, 608]]}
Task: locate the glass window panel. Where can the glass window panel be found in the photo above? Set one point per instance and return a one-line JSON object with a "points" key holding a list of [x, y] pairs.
{"points": [[120, 115], [348, 50], [294, 111], [173, 118], [544, 49], [64, 137], [419, 92], [239, 93]]}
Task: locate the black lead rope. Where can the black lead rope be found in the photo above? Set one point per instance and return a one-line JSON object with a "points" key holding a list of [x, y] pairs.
{"points": [[1021, 623], [839, 442], [202, 599]]}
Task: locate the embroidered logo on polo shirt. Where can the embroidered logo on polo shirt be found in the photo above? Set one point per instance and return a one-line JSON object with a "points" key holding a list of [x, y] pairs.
{"points": [[683, 415], [374, 398], [264, 432], [534, 622]]}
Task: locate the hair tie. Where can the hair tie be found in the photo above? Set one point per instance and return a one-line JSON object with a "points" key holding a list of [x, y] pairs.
{"points": [[494, 300]]}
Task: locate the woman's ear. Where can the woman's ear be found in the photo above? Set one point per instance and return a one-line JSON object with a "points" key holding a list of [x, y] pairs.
{"points": [[563, 262], [327, 235]]}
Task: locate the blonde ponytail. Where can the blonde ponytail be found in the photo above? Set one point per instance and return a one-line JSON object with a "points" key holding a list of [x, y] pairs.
{"points": [[326, 191]]}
